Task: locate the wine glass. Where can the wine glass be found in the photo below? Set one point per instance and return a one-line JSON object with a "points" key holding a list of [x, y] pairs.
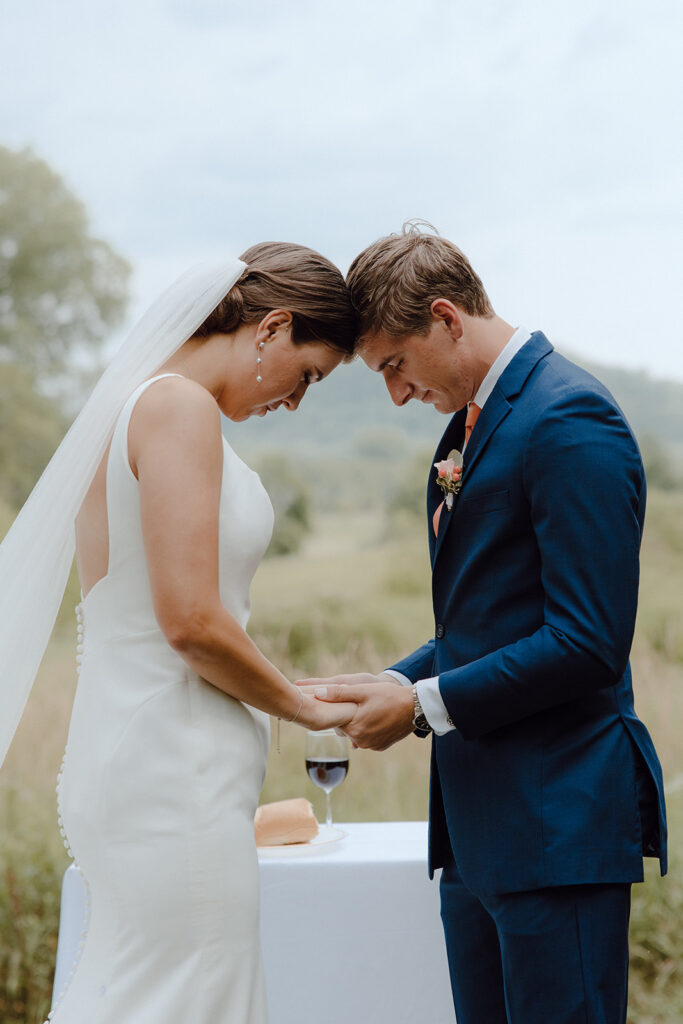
{"points": [[327, 762]]}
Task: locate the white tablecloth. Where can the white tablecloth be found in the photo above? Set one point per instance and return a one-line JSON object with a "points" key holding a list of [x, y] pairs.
{"points": [[351, 934]]}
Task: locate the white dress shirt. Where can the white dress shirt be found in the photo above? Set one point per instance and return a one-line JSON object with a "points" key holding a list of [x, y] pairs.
{"points": [[428, 691]]}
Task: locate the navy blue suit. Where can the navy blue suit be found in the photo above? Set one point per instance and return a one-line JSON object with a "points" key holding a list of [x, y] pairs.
{"points": [[549, 778]]}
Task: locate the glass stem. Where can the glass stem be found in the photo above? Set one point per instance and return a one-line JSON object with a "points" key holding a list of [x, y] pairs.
{"points": [[328, 807]]}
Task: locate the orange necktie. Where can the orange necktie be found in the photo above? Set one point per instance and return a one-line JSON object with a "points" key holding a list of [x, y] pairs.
{"points": [[473, 411]]}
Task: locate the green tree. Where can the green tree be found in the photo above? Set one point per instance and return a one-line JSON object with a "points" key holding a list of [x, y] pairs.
{"points": [[660, 466], [31, 427], [61, 292], [379, 443], [291, 502], [409, 495], [61, 289]]}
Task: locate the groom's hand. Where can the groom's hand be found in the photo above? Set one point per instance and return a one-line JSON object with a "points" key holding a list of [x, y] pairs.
{"points": [[351, 679], [385, 708]]}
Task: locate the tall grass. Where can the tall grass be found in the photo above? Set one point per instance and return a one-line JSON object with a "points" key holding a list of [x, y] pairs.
{"points": [[656, 935], [32, 856], [356, 597], [32, 862]]}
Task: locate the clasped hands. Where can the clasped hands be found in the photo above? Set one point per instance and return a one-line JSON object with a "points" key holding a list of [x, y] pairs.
{"points": [[376, 711]]}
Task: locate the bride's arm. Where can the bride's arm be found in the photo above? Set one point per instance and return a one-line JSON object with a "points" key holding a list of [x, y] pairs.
{"points": [[176, 451]]}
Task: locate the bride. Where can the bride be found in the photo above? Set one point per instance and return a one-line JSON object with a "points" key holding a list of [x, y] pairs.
{"points": [[169, 732]]}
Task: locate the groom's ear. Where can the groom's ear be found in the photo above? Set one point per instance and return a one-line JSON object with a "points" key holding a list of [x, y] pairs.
{"points": [[444, 311]]}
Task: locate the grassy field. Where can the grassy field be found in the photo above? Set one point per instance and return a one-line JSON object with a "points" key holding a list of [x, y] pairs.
{"points": [[356, 597]]}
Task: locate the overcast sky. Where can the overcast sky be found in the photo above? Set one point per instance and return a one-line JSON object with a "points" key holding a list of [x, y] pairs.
{"points": [[543, 137]]}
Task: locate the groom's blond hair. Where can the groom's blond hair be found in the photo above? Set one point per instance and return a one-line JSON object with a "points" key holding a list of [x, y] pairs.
{"points": [[395, 280]]}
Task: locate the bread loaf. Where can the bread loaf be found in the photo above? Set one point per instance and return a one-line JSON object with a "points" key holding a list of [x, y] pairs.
{"points": [[285, 822]]}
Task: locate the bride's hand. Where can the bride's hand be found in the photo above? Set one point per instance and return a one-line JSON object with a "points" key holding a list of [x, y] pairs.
{"points": [[316, 714]]}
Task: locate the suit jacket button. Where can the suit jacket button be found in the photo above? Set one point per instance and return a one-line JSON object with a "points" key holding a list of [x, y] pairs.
{"points": [[440, 631]]}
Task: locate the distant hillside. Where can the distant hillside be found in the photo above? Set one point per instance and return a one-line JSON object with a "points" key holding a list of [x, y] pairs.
{"points": [[345, 411], [352, 400], [654, 407]]}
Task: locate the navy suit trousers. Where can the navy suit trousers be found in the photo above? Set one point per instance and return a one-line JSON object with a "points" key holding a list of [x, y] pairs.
{"points": [[555, 955]]}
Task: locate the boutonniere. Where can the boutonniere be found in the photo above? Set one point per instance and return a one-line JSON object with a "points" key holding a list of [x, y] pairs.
{"points": [[449, 476]]}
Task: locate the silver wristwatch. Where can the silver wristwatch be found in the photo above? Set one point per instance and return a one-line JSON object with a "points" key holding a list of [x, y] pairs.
{"points": [[419, 718]]}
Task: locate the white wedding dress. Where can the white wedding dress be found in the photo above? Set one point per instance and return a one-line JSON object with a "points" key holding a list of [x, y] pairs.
{"points": [[159, 785]]}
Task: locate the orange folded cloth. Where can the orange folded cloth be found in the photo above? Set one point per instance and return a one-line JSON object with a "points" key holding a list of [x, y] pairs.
{"points": [[284, 822]]}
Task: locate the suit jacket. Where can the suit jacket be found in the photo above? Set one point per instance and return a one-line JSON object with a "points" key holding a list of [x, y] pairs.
{"points": [[549, 777]]}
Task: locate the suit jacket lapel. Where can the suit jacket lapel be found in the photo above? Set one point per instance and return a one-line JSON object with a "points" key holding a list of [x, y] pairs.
{"points": [[452, 438], [492, 415], [496, 408]]}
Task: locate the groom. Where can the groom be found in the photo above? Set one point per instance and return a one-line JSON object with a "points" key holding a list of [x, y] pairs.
{"points": [[546, 791]]}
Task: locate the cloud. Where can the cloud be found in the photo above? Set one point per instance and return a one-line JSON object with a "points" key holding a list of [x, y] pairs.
{"points": [[540, 137]]}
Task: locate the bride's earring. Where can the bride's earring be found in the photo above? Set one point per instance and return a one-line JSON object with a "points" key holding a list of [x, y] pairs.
{"points": [[259, 378]]}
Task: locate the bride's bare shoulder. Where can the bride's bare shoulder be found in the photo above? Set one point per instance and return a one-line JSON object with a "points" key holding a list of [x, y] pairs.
{"points": [[173, 411], [172, 400]]}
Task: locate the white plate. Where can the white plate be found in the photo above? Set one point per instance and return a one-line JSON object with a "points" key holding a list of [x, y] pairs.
{"points": [[327, 836]]}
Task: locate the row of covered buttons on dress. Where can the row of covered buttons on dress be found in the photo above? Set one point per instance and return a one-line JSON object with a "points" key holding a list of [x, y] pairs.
{"points": [[62, 832]]}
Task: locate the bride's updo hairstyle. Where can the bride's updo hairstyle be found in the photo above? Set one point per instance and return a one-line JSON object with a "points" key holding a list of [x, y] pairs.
{"points": [[281, 275]]}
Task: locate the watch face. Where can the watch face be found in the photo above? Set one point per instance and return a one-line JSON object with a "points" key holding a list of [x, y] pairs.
{"points": [[419, 718]]}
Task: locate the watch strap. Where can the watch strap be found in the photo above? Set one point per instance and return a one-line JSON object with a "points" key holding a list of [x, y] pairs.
{"points": [[420, 723]]}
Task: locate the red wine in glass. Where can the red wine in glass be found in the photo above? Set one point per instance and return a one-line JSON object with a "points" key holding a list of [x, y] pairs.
{"points": [[327, 774], [327, 763]]}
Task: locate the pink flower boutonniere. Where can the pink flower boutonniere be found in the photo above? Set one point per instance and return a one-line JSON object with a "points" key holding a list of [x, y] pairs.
{"points": [[449, 476]]}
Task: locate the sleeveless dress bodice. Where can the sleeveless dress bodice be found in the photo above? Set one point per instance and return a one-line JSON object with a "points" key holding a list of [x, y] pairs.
{"points": [[159, 785]]}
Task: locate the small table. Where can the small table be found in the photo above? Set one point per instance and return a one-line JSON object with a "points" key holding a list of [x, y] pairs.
{"points": [[350, 933]]}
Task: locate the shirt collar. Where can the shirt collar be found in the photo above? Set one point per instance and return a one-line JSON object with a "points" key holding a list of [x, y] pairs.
{"points": [[518, 339]]}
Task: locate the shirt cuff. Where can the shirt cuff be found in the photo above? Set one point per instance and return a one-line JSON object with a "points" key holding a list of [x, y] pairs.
{"points": [[433, 706], [398, 676]]}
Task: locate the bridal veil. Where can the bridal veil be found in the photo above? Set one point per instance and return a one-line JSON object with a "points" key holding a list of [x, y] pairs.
{"points": [[37, 553]]}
